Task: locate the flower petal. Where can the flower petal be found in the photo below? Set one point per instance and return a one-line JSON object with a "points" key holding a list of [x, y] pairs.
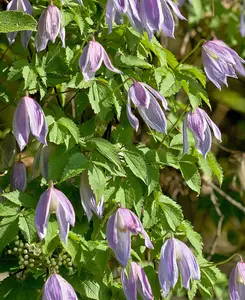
{"points": [[42, 213], [176, 10], [139, 95], [132, 119], [108, 63], [168, 270], [21, 124], [214, 127], [18, 179], [129, 285], [168, 24], [154, 116], [157, 95]]}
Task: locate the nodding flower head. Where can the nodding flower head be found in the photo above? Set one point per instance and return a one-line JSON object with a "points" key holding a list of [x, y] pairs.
{"points": [[57, 288], [29, 118], [25, 6], [175, 257], [144, 98], [49, 26], [118, 232], [91, 60], [220, 62], [137, 281], [199, 123], [54, 201], [237, 282]]}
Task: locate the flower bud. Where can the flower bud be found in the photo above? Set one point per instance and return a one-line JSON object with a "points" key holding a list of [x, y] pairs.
{"points": [[18, 177]]}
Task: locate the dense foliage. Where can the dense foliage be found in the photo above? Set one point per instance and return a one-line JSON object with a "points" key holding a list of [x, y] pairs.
{"points": [[128, 131]]}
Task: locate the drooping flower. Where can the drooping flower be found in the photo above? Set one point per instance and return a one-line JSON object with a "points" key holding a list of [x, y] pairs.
{"points": [[200, 123], [137, 281], [144, 98], [91, 59], [18, 179], [115, 10], [175, 257], [25, 6], [54, 201], [88, 198], [156, 15], [49, 26], [237, 282], [29, 118], [118, 232], [57, 288], [220, 62], [151, 15]]}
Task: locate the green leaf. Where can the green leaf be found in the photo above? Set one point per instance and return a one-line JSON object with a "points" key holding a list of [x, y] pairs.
{"points": [[20, 199], [106, 149], [134, 61], [194, 237], [94, 99], [137, 165], [11, 20], [55, 134], [190, 173], [172, 212], [71, 127], [76, 165], [87, 288], [97, 181], [215, 167], [6, 211], [51, 238], [8, 230], [27, 225]]}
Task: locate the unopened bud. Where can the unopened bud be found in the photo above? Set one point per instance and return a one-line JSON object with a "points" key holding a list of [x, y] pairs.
{"points": [[18, 177]]}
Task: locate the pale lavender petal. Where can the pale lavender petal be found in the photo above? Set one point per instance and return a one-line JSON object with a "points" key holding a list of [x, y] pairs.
{"points": [[63, 36], [38, 124], [132, 119], [129, 285], [110, 15], [168, 271], [197, 123], [108, 63], [11, 37], [154, 116], [123, 247], [25, 37], [234, 295], [121, 6], [187, 263], [57, 288], [214, 127], [88, 198], [157, 95], [42, 213], [21, 124], [142, 283], [153, 13], [63, 223], [66, 204], [168, 24], [176, 9], [18, 179], [203, 146], [139, 95], [185, 138], [111, 231], [13, 5]]}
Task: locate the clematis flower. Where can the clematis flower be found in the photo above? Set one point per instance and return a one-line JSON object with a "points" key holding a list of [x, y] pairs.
{"points": [[91, 60], [175, 257], [18, 179], [57, 288], [144, 98], [220, 62], [25, 6], [54, 201], [88, 198], [118, 232], [29, 117], [237, 282], [115, 9], [137, 281], [49, 26], [199, 123], [156, 15]]}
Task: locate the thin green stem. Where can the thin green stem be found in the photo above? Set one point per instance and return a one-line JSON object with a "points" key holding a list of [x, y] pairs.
{"points": [[228, 259], [111, 212], [72, 98], [174, 125], [190, 53], [4, 53]]}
